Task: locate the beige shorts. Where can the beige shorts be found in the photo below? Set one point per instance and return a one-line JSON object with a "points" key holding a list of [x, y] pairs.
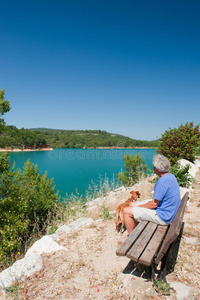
{"points": [[146, 214]]}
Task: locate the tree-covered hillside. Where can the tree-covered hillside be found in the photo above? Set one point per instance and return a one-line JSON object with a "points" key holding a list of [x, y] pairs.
{"points": [[89, 138], [11, 137]]}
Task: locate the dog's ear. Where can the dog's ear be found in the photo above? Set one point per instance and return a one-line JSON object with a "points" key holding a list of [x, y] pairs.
{"points": [[138, 193]]}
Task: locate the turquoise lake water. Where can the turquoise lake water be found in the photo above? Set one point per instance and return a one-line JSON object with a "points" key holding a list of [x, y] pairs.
{"points": [[73, 169]]}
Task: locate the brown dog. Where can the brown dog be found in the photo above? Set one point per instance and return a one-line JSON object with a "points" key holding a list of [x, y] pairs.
{"points": [[120, 208]]}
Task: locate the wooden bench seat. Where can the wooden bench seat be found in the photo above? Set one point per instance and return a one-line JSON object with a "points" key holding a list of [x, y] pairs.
{"points": [[149, 243]]}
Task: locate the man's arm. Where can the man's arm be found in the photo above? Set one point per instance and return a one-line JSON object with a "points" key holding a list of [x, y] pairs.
{"points": [[151, 204]]}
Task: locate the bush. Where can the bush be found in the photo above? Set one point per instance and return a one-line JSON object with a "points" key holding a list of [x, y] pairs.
{"points": [[135, 168], [26, 198], [180, 143], [13, 221], [182, 174], [39, 191]]}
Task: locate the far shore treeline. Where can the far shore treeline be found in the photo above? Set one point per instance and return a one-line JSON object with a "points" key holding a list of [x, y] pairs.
{"points": [[36, 138]]}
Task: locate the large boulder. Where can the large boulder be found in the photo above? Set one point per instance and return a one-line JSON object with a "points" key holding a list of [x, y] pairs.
{"points": [[23, 267], [193, 167], [46, 244]]}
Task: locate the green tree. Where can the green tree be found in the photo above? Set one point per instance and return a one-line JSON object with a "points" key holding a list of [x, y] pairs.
{"points": [[27, 200], [39, 192], [181, 142], [4, 106], [13, 221], [135, 168]]}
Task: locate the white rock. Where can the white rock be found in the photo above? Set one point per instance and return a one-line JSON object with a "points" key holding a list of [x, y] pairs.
{"points": [[63, 228], [192, 240], [184, 190], [197, 162], [23, 267], [55, 237], [81, 222], [95, 202], [45, 244], [183, 292], [193, 167]]}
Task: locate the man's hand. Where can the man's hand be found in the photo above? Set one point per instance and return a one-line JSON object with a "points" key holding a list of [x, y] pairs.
{"points": [[151, 204]]}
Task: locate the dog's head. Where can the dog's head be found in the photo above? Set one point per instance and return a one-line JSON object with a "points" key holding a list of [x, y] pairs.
{"points": [[135, 195]]}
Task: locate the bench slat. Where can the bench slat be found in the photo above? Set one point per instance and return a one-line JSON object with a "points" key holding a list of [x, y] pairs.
{"points": [[147, 257], [142, 242], [174, 229], [130, 240]]}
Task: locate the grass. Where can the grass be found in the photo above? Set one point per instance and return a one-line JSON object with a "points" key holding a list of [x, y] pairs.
{"points": [[105, 215], [162, 288]]}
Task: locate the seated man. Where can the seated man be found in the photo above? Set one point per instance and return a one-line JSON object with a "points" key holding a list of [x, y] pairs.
{"points": [[166, 199]]}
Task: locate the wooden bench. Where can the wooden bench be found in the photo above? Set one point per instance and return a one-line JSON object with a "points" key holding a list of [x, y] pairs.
{"points": [[150, 243]]}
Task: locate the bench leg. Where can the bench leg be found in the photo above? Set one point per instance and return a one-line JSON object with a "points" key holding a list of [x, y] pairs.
{"points": [[162, 273], [152, 270]]}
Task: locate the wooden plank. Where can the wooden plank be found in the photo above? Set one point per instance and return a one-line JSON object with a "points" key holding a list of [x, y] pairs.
{"points": [[147, 256], [130, 240], [142, 242], [174, 229]]}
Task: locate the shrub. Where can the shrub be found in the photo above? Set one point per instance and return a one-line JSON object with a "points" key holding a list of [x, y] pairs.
{"points": [[182, 174], [13, 221], [26, 199], [135, 168], [180, 143], [105, 214], [39, 191]]}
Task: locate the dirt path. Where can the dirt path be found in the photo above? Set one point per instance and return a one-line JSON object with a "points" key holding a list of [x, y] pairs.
{"points": [[91, 270]]}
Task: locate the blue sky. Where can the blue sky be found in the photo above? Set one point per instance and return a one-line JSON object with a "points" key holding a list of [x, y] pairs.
{"points": [[124, 66]]}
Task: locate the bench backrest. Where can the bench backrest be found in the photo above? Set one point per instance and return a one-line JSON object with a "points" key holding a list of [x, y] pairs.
{"points": [[174, 229]]}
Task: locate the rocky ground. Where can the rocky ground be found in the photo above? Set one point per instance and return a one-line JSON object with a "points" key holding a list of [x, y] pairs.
{"points": [[91, 270]]}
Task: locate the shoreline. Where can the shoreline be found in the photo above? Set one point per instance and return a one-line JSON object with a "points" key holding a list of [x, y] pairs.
{"points": [[50, 149], [24, 150]]}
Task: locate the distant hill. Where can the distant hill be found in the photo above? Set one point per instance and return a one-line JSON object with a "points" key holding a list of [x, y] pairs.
{"points": [[11, 137], [59, 138]]}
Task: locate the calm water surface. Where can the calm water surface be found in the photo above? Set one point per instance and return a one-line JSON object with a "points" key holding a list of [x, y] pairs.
{"points": [[75, 168]]}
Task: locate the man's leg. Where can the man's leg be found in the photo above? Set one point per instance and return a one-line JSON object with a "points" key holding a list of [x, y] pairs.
{"points": [[129, 220]]}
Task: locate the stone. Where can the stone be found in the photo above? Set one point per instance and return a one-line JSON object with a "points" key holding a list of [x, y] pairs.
{"points": [[45, 244], [81, 222], [23, 267], [193, 167], [192, 240], [63, 228], [55, 237], [183, 292]]}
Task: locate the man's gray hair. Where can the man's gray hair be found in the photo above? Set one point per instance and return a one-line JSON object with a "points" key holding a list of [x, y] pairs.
{"points": [[161, 163]]}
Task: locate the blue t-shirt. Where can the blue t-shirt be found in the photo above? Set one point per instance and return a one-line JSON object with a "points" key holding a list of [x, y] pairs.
{"points": [[167, 191]]}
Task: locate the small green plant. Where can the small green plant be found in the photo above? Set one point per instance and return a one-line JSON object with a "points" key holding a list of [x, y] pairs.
{"points": [[101, 188], [135, 169], [162, 288], [53, 229], [105, 214], [12, 291]]}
